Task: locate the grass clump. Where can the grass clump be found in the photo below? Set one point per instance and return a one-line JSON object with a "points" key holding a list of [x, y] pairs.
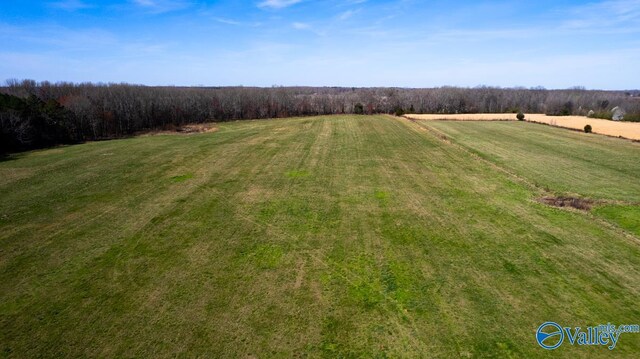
{"points": [[297, 174]]}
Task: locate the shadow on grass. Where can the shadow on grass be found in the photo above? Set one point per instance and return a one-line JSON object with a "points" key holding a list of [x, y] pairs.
{"points": [[5, 157]]}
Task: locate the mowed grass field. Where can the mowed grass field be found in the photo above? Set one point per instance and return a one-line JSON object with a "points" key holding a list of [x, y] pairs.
{"points": [[344, 236]]}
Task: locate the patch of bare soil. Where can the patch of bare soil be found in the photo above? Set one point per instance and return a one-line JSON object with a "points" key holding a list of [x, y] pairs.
{"points": [[198, 128], [577, 203], [182, 130]]}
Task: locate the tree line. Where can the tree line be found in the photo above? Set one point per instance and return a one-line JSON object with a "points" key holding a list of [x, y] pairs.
{"points": [[40, 114]]}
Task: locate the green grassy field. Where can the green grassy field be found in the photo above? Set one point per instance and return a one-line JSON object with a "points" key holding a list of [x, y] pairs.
{"points": [[565, 163], [345, 236]]}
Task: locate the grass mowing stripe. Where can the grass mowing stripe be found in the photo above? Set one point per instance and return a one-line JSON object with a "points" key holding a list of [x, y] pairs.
{"points": [[333, 236], [603, 168], [563, 161]]}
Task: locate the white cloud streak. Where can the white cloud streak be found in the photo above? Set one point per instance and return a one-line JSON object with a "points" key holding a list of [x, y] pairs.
{"points": [[347, 14], [606, 14], [162, 6], [301, 26], [278, 4], [226, 21]]}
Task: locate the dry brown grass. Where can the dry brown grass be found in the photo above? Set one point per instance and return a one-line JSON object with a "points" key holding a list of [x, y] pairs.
{"points": [[198, 128], [630, 130], [465, 117], [183, 130]]}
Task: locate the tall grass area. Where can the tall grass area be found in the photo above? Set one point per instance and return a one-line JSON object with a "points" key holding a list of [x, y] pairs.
{"points": [[341, 236]]}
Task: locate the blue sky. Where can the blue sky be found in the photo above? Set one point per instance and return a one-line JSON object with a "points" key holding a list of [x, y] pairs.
{"points": [[555, 44]]}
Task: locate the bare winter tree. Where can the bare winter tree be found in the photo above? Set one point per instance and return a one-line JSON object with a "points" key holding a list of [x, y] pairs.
{"points": [[78, 112]]}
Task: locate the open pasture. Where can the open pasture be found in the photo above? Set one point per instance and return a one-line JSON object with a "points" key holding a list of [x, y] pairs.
{"points": [[340, 236]]}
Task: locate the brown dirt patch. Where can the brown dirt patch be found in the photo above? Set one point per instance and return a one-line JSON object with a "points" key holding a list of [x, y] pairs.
{"points": [[299, 276], [573, 202], [182, 130], [198, 128]]}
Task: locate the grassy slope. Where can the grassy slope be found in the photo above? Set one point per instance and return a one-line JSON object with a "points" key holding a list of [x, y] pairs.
{"points": [[627, 217], [564, 162], [354, 236]]}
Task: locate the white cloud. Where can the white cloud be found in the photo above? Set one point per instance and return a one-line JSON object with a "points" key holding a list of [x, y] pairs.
{"points": [[226, 21], [162, 6], [347, 14], [278, 4], [145, 2], [606, 14], [301, 25]]}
